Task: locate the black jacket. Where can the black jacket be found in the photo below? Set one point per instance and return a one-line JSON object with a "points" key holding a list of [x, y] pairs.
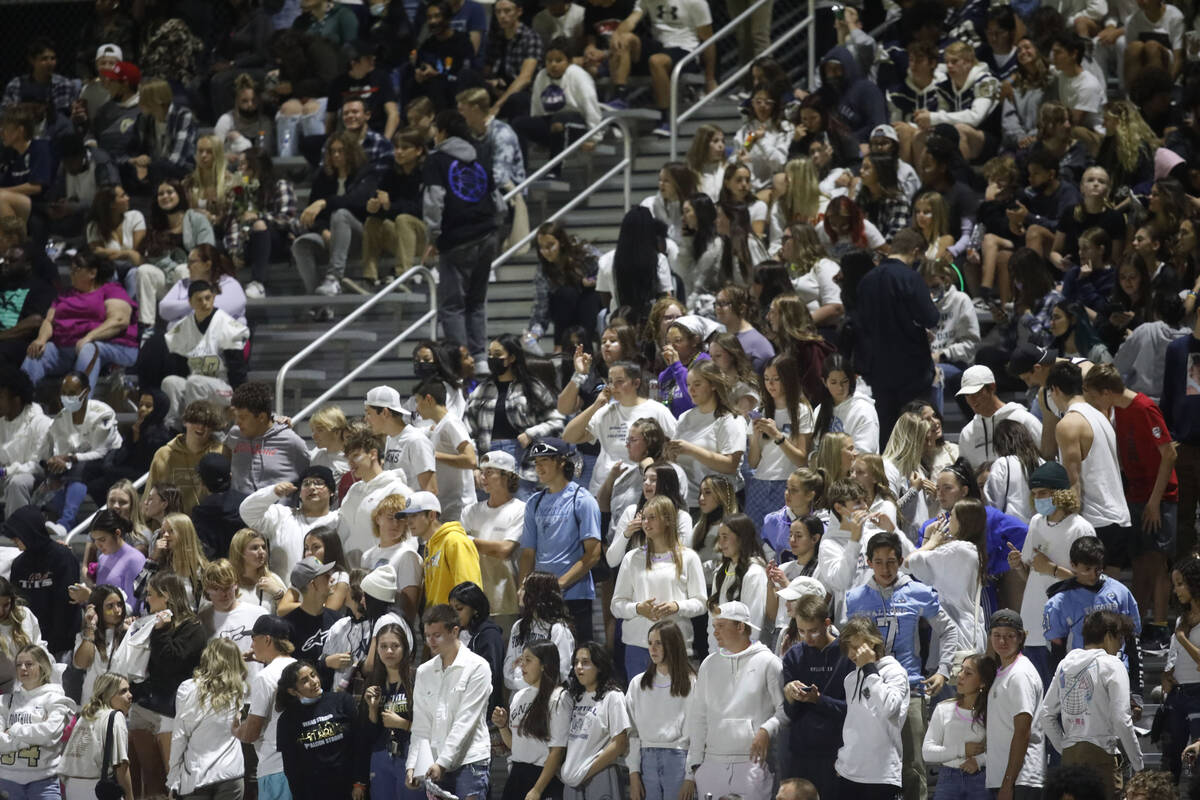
{"points": [[174, 654], [459, 201], [892, 313], [42, 574], [217, 518], [360, 187]]}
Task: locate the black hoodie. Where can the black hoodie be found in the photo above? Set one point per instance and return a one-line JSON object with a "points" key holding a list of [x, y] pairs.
{"points": [[135, 457], [42, 574]]}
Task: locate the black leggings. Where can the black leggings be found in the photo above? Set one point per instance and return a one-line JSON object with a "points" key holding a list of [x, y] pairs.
{"points": [[261, 247], [537, 130], [522, 777]]}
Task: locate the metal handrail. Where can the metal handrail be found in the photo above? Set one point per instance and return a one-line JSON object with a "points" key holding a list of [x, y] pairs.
{"points": [[396, 283], [676, 118], [608, 121]]}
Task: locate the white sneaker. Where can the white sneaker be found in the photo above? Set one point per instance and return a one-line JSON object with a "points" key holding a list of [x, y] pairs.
{"points": [[255, 291], [330, 287]]}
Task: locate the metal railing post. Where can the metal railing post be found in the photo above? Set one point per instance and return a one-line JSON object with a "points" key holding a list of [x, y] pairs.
{"points": [[812, 45]]}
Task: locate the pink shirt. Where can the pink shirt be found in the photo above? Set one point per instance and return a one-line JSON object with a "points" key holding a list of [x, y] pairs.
{"points": [[78, 313]]}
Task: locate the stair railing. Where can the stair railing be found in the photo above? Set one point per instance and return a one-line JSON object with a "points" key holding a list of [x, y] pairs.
{"points": [[677, 118]]}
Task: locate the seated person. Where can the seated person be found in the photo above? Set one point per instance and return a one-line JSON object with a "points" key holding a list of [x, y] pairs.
{"points": [[307, 65], [559, 18], [607, 50], [333, 22], [564, 96], [112, 127], [25, 299], [133, 458], [246, 124], [362, 81], [918, 92], [23, 431], [165, 146], [81, 172], [514, 53], [438, 60], [394, 215], [80, 436], [207, 349], [26, 165], [261, 210], [60, 90]]}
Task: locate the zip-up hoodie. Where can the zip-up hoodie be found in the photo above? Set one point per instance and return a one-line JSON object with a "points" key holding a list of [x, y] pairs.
{"points": [[450, 559], [22, 438], [42, 575], [278, 455], [977, 442], [33, 722], [903, 605], [976, 104], [858, 99], [174, 463], [817, 727], [1088, 701], [459, 205], [876, 705], [736, 694]]}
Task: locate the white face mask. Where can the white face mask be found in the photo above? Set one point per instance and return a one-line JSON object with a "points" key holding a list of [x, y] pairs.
{"points": [[71, 403], [378, 9]]}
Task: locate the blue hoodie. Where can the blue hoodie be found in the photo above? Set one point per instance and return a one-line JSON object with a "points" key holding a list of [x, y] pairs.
{"points": [[857, 99], [817, 727]]}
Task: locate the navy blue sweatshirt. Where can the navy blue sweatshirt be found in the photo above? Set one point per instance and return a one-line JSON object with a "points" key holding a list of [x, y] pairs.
{"points": [[1180, 409], [817, 727], [892, 311]]}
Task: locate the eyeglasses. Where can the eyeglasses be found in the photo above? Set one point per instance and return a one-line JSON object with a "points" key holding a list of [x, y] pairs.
{"points": [[313, 483]]}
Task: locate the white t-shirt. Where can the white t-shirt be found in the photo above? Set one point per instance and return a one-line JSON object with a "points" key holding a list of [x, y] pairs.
{"points": [[1016, 690], [724, 434], [773, 464], [856, 416], [236, 625], [610, 425], [607, 282], [593, 725], [404, 558], [1182, 666], [411, 452], [99, 665], [817, 287], [674, 22], [262, 704], [1053, 540], [1170, 23], [502, 524], [758, 211], [130, 224], [84, 753], [526, 750], [456, 486], [1082, 93]]}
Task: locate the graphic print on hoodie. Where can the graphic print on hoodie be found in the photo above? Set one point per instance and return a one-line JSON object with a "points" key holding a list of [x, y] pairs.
{"points": [[42, 575]]}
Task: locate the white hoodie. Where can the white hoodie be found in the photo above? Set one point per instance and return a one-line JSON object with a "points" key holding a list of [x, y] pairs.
{"points": [[736, 695], [842, 564], [91, 441], [33, 722], [1088, 701], [972, 104], [876, 705], [354, 519], [283, 527], [1007, 488], [977, 442], [856, 415], [579, 94], [957, 334], [22, 438], [202, 751]]}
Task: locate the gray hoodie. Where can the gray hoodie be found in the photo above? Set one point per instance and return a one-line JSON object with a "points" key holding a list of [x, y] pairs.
{"points": [[1142, 357], [278, 455]]}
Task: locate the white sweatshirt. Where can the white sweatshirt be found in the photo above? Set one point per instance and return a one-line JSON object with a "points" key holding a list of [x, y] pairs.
{"points": [[202, 751], [354, 522], [91, 441], [657, 719], [636, 583], [736, 694], [1007, 488], [950, 728], [22, 438], [977, 442], [856, 416], [957, 332], [576, 90], [767, 154], [620, 542], [1088, 701], [33, 723], [754, 595], [558, 633], [876, 705], [283, 527], [450, 710], [953, 569]]}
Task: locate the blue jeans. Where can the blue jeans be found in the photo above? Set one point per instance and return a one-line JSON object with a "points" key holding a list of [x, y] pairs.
{"points": [[951, 381], [663, 772], [69, 499], [1039, 656], [469, 781], [954, 784], [387, 778], [46, 789], [59, 361], [763, 497], [462, 291], [637, 661]]}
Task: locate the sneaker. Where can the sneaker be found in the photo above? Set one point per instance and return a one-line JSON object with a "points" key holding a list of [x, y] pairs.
{"points": [[740, 96], [662, 129], [255, 291], [616, 104], [1155, 639], [329, 287]]}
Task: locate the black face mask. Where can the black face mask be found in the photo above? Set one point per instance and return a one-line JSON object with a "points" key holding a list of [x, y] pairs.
{"points": [[496, 365], [425, 369]]}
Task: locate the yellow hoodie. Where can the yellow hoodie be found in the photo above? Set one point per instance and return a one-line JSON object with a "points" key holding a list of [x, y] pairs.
{"points": [[450, 559]]}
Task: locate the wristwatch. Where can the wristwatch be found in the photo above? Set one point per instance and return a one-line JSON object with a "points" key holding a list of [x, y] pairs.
{"points": [[780, 441]]}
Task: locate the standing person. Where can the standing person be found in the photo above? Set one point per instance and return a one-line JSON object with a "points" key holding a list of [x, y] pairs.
{"points": [[733, 716], [319, 737], [977, 442], [480, 634], [311, 621], [450, 555], [100, 735], [450, 712], [496, 525], [206, 762], [43, 574], [119, 562], [1181, 677], [814, 676], [460, 215], [562, 531], [535, 726], [779, 440], [955, 740], [740, 574], [365, 451], [893, 311], [453, 450], [1147, 457], [265, 452], [32, 721], [711, 436], [1015, 756], [283, 526], [1181, 409], [599, 733], [409, 450], [877, 698], [227, 616], [1086, 711], [104, 626], [1087, 446], [658, 701], [18, 627], [271, 647], [389, 703], [544, 615]]}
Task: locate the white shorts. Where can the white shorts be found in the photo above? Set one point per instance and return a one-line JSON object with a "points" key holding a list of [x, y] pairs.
{"points": [[143, 719]]}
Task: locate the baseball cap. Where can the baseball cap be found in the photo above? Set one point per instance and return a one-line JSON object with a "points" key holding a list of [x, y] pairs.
{"points": [[385, 397], [271, 625], [421, 501], [735, 611], [1050, 475], [1006, 618], [306, 569], [1028, 356], [886, 132], [125, 72], [498, 459], [802, 586], [109, 50], [975, 378], [551, 446]]}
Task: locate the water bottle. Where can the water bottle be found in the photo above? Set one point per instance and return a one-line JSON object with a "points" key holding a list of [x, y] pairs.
{"points": [[976, 240], [1189, 767], [653, 389]]}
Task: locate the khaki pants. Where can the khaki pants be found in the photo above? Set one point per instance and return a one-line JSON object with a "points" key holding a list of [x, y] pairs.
{"points": [[404, 237], [753, 35], [1103, 763]]}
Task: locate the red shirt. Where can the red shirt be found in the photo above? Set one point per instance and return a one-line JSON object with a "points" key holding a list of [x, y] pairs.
{"points": [[1141, 430]]}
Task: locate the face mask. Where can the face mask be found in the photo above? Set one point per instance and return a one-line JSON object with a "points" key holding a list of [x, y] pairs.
{"points": [[496, 365], [938, 293], [425, 369], [308, 701], [1044, 506], [71, 403], [378, 9]]}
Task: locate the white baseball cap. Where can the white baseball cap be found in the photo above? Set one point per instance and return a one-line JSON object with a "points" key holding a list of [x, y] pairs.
{"points": [[109, 50], [498, 459], [385, 397], [886, 132], [975, 378], [735, 611], [802, 586]]}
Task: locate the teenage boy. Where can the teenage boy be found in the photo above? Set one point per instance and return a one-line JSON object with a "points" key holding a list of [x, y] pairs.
{"points": [[1181, 409], [1032, 365], [977, 442], [23, 430], [364, 451], [408, 448], [79, 438], [285, 526], [450, 712], [227, 616], [1087, 447], [176, 461], [207, 348], [739, 682], [453, 450], [1014, 760], [450, 554], [896, 604], [496, 523], [271, 646], [1086, 711], [814, 674], [265, 452], [562, 531], [311, 620]]}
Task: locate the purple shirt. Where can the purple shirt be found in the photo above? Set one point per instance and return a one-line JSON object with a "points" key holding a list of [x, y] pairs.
{"points": [[758, 347], [77, 314], [120, 569]]}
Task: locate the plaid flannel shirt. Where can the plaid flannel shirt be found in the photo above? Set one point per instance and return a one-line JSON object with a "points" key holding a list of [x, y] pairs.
{"points": [[537, 419], [889, 214], [282, 212], [63, 91], [178, 150], [539, 315], [505, 56]]}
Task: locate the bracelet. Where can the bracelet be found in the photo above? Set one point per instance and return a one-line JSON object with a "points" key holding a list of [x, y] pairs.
{"points": [[779, 442]]}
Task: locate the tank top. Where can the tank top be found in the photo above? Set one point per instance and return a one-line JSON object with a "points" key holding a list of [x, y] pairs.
{"points": [[1100, 474]]}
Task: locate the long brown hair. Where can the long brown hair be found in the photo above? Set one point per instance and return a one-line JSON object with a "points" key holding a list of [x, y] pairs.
{"points": [[789, 378], [675, 656], [749, 547], [536, 722], [575, 252], [353, 153]]}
